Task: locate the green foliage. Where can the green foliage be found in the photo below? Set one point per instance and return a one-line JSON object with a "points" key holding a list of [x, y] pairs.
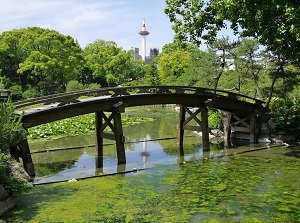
{"points": [[16, 90], [11, 134], [31, 93], [202, 20], [185, 65], [12, 184], [172, 65], [214, 119], [10, 127], [40, 58], [285, 113], [78, 125], [260, 187], [73, 85], [112, 64], [92, 86]]}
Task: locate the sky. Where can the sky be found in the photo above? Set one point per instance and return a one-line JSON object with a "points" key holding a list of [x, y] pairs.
{"points": [[90, 20]]}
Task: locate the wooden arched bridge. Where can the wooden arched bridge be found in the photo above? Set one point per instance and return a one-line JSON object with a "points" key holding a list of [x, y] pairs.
{"points": [[243, 112]]}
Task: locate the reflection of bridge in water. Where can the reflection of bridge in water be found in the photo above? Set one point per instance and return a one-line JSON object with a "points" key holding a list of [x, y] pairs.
{"points": [[108, 104]]}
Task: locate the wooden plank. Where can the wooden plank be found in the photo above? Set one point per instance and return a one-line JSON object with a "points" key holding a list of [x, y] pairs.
{"points": [[193, 116], [240, 129], [107, 122], [241, 121], [106, 135], [192, 128]]}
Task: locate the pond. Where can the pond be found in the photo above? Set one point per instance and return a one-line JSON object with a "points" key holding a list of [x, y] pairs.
{"points": [[147, 144], [249, 183]]}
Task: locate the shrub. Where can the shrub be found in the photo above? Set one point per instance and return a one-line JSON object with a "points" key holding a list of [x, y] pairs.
{"points": [[215, 120], [11, 134], [93, 86], [285, 114], [31, 93], [73, 85], [10, 127], [11, 181]]}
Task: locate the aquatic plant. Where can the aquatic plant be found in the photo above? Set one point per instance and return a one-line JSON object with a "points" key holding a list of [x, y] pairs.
{"points": [[78, 125]]}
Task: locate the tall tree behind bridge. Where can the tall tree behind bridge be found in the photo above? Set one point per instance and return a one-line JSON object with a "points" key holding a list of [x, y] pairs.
{"points": [[111, 64], [186, 64], [276, 24], [39, 59]]}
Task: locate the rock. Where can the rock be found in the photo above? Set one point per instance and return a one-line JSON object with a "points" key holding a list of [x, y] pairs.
{"points": [[217, 133], [17, 171], [3, 193], [7, 202]]}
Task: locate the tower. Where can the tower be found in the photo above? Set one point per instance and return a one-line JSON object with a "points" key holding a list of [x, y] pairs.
{"points": [[144, 33]]}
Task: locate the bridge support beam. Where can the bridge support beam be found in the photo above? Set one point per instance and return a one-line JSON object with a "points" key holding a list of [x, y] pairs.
{"points": [[201, 127], [113, 121], [253, 129], [26, 157], [242, 126]]}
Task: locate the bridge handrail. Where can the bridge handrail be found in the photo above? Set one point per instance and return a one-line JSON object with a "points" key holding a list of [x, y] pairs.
{"points": [[72, 97]]}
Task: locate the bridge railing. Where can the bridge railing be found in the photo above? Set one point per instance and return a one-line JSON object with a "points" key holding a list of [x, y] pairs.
{"points": [[74, 97]]}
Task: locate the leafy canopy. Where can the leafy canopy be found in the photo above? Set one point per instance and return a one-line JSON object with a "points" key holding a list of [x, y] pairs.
{"points": [[275, 23], [40, 58]]}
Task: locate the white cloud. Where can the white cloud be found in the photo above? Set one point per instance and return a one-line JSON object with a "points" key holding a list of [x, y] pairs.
{"points": [[89, 20]]}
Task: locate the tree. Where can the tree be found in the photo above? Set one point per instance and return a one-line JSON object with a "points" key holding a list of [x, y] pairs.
{"points": [[248, 61], [111, 63], [73, 85], [186, 64], [172, 62], [151, 74], [41, 58], [284, 76], [275, 23], [223, 46], [202, 70]]}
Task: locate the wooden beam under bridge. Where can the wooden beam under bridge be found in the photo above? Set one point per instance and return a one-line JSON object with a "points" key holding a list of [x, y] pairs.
{"points": [[114, 122], [202, 126], [22, 150], [238, 124]]}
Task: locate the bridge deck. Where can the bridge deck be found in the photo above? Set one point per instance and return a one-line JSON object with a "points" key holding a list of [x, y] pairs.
{"points": [[54, 107]]}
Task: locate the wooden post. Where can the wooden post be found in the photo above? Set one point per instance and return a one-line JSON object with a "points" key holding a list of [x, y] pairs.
{"points": [[202, 126], [121, 168], [181, 132], [99, 139], [114, 122], [205, 129], [119, 137], [26, 157], [227, 128], [253, 129]]}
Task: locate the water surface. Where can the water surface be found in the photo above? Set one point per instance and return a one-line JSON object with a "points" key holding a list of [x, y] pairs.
{"points": [[250, 183]]}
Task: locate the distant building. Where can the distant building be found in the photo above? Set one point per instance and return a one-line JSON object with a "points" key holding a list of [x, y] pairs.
{"points": [[136, 54], [153, 53]]}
